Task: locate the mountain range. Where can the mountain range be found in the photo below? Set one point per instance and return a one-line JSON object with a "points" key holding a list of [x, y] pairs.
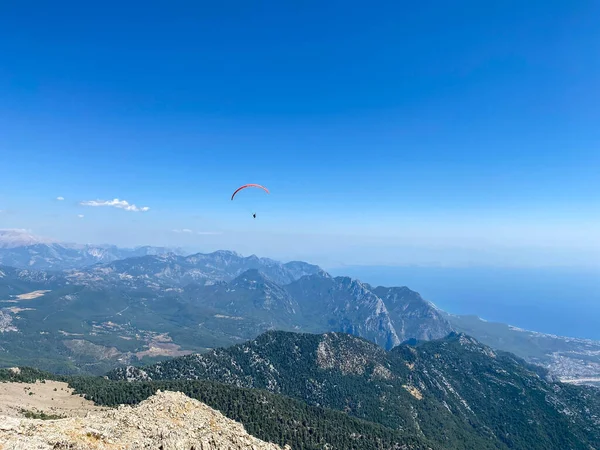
{"points": [[58, 257], [161, 305], [455, 391], [78, 310], [338, 391], [298, 356]]}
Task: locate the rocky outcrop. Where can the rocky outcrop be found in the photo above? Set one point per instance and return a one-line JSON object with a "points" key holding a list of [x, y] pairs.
{"points": [[413, 317], [345, 305], [167, 420]]}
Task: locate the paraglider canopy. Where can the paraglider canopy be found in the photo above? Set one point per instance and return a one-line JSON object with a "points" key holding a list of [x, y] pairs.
{"points": [[248, 186]]}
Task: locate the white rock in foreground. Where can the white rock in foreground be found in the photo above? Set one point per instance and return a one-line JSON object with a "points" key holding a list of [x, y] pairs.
{"points": [[167, 420]]}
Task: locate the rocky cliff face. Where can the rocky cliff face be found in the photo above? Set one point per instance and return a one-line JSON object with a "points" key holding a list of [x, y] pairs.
{"points": [[412, 316], [345, 305], [167, 420]]}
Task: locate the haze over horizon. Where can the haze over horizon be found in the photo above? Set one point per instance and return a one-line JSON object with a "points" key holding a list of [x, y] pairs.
{"points": [[435, 134]]}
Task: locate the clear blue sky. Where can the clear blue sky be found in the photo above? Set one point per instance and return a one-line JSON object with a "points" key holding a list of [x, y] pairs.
{"points": [[387, 132]]}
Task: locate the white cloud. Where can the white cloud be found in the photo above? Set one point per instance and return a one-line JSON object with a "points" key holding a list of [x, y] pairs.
{"points": [[116, 203], [81, 216], [188, 231], [184, 230], [60, 199]]}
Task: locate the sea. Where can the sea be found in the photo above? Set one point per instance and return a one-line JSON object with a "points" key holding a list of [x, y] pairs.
{"points": [[561, 301]]}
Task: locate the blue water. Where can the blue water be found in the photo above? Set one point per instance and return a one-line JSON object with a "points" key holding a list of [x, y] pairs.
{"points": [[558, 301]]}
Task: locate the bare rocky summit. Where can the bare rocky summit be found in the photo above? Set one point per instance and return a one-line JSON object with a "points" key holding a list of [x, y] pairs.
{"points": [[167, 420]]}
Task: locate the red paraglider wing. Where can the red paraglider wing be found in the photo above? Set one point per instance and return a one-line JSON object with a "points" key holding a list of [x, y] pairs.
{"points": [[247, 186]]}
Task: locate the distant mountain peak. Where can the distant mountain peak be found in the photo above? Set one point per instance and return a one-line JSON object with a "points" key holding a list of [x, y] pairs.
{"points": [[250, 276], [353, 283], [169, 256], [319, 275], [15, 237], [226, 254], [22, 250], [413, 316]]}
